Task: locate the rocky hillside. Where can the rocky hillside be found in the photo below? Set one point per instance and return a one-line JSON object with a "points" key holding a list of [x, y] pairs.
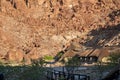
{"points": [[30, 29]]}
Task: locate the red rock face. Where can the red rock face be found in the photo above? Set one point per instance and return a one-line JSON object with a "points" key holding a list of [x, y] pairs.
{"points": [[48, 25], [15, 55]]}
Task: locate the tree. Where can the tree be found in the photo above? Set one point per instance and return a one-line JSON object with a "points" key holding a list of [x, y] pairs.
{"points": [[114, 57], [72, 63]]}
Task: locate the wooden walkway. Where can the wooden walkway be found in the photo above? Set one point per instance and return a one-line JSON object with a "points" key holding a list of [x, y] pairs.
{"points": [[59, 75], [2, 76], [114, 74]]}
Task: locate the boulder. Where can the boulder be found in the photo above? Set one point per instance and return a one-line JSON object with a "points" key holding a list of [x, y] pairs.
{"points": [[16, 55], [34, 54]]}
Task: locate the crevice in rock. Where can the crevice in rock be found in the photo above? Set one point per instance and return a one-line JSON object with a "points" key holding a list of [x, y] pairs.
{"points": [[15, 6], [13, 3], [0, 6], [50, 3], [114, 14], [26, 51], [26, 2], [36, 45], [61, 2]]}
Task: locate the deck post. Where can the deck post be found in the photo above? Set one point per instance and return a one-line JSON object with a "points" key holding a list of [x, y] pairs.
{"points": [[88, 77]]}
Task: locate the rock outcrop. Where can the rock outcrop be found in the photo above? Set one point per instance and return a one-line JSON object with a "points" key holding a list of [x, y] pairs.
{"points": [[45, 27], [15, 55]]}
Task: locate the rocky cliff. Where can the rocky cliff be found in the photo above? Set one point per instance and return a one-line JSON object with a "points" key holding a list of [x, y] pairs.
{"points": [[34, 28]]}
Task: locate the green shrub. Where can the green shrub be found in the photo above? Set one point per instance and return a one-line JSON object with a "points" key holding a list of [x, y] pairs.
{"points": [[40, 62], [27, 72], [114, 57], [32, 73], [72, 63], [48, 58]]}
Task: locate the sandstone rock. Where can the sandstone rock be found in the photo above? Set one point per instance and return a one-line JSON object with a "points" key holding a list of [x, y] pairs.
{"points": [[34, 54], [15, 55], [42, 27], [105, 59]]}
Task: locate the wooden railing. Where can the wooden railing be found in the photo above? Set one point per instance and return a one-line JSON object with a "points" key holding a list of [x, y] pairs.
{"points": [[59, 75], [2, 76], [114, 74]]}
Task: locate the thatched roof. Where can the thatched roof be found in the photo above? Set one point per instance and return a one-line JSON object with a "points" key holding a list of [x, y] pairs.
{"points": [[69, 53], [100, 53], [86, 53]]}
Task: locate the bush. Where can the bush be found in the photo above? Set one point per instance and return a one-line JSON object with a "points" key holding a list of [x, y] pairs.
{"points": [[27, 72], [72, 64], [48, 58], [114, 57], [32, 73]]}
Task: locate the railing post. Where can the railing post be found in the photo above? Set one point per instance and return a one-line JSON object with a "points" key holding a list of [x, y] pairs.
{"points": [[51, 75], [88, 77], [79, 77], [56, 75]]}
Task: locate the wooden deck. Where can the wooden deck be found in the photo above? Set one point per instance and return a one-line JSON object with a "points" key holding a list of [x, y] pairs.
{"points": [[114, 74], [57, 75]]}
